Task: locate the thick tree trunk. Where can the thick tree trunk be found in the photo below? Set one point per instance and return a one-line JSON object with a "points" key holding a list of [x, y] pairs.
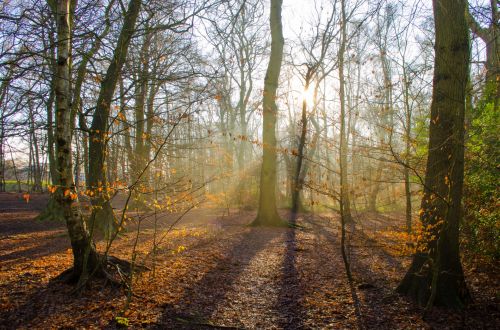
{"points": [[85, 257], [268, 214], [102, 212], [435, 275]]}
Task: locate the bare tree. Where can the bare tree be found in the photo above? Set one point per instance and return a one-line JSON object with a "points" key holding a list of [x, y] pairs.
{"points": [[267, 213]]}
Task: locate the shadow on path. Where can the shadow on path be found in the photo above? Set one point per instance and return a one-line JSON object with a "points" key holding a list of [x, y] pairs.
{"points": [[200, 300], [291, 292], [333, 239]]}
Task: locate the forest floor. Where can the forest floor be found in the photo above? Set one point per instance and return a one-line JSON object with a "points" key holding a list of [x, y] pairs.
{"points": [[214, 271]]}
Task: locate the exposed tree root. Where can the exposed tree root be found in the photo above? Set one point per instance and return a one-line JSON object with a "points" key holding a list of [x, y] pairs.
{"points": [[112, 270]]}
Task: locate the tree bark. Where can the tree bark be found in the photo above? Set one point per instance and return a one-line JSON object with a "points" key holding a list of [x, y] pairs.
{"points": [[268, 214], [102, 212], [435, 276], [345, 205], [85, 257], [297, 182]]}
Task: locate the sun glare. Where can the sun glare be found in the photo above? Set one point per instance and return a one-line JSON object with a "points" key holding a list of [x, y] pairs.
{"points": [[308, 96]]}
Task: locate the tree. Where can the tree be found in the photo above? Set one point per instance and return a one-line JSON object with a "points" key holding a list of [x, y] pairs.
{"points": [[98, 135], [345, 205], [85, 257], [51, 211], [317, 67], [268, 214], [490, 36], [435, 275]]}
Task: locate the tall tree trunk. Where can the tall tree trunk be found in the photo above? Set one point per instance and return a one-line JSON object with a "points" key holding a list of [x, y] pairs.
{"points": [[37, 171], [4, 87], [102, 212], [345, 205], [435, 275], [406, 169], [139, 157], [2, 157], [85, 257], [297, 184], [268, 214], [490, 36], [372, 200], [51, 212], [50, 109]]}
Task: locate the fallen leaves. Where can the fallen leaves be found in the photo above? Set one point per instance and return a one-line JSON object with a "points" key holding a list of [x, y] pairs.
{"points": [[222, 274]]}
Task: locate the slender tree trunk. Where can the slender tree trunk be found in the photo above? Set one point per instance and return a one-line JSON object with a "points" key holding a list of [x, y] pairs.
{"points": [[408, 212], [372, 200], [14, 167], [406, 169], [4, 87], [37, 173], [297, 184], [435, 275], [344, 185], [2, 157], [268, 214]]}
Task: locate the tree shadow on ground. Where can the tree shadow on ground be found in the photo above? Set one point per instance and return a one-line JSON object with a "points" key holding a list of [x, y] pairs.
{"points": [[24, 223], [375, 286], [200, 300], [34, 304], [41, 248], [291, 294], [332, 237]]}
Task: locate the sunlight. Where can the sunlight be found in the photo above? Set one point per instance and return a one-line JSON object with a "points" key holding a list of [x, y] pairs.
{"points": [[308, 96], [220, 158]]}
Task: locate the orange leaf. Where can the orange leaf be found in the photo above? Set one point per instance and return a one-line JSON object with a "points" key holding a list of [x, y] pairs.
{"points": [[26, 197]]}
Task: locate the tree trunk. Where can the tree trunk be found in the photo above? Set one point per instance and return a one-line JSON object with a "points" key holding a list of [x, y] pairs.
{"points": [[435, 276], [102, 212], [296, 183], [345, 206], [406, 169], [408, 213], [85, 257], [268, 214], [372, 201]]}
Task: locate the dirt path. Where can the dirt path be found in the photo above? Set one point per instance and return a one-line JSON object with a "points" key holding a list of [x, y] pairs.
{"points": [[265, 278]]}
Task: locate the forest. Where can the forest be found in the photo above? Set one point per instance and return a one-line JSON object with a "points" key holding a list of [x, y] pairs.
{"points": [[250, 164]]}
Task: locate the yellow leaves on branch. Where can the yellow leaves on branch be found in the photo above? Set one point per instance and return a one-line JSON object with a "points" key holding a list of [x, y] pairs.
{"points": [[67, 192], [72, 195]]}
